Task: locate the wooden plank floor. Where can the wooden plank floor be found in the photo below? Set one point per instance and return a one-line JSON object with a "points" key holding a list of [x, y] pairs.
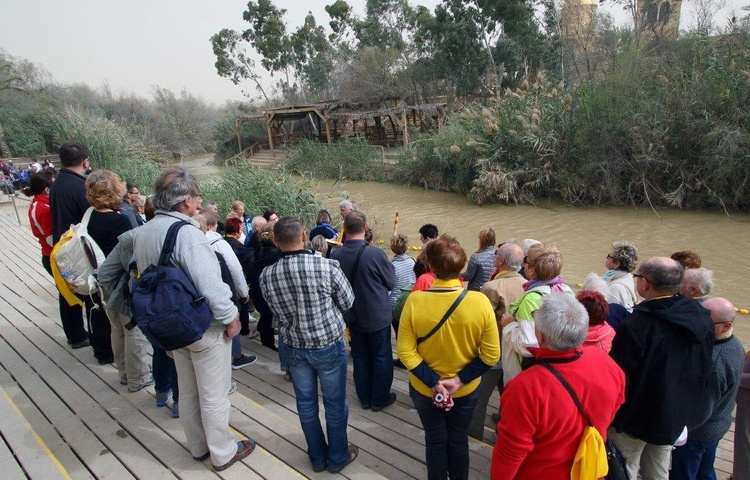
{"points": [[72, 419]]}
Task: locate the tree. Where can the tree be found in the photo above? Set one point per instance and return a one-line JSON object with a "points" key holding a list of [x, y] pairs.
{"points": [[451, 38], [303, 58], [232, 62], [9, 80]]}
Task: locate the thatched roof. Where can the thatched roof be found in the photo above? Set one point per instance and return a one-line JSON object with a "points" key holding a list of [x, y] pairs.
{"points": [[351, 110]]}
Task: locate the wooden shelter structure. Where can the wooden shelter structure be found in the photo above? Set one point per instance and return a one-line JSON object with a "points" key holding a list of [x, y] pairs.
{"points": [[379, 122]]}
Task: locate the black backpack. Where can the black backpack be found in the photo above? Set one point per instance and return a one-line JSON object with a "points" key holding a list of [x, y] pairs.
{"points": [[165, 303]]}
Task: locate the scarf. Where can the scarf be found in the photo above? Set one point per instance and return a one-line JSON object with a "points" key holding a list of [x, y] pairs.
{"points": [[555, 284]]}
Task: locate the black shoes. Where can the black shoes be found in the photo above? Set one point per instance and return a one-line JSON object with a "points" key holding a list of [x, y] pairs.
{"points": [[83, 343], [391, 401]]}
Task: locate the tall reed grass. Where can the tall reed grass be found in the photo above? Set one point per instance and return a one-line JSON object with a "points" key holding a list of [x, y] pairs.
{"points": [[260, 189], [112, 146]]}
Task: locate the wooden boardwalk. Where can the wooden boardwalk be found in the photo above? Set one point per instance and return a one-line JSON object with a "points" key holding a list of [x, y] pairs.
{"points": [[64, 416]]}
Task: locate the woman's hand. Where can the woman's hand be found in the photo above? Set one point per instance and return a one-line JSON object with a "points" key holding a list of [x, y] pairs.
{"points": [[451, 385], [507, 319], [447, 399]]}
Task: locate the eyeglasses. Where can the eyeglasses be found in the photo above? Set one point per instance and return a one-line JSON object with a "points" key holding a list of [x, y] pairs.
{"points": [[609, 256], [719, 323], [638, 275]]}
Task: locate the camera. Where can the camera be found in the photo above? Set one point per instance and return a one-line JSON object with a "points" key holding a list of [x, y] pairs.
{"points": [[441, 399]]}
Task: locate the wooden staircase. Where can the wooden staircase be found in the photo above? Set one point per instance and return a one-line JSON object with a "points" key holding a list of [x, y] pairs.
{"points": [[267, 160]]}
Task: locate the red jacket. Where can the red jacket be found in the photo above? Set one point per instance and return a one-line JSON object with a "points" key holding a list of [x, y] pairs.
{"points": [[540, 426], [40, 219]]}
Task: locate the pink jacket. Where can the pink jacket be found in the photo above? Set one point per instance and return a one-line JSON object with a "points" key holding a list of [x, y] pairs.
{"points": [[600, 336]]}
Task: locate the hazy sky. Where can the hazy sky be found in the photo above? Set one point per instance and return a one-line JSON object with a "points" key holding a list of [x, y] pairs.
{"points": [[137, 44]]}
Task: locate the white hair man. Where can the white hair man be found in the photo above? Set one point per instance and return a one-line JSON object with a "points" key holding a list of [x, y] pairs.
{"points": [[697, 283], [664, 335], [540, 425], [695, 459], [345, 207], [504, 289], [204, 367]]}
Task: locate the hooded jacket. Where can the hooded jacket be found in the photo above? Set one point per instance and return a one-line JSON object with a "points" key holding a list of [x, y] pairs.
{"points": [[664, 347], [600, 336]]}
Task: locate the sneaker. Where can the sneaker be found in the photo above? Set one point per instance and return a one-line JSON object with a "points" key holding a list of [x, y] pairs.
{"points": [[352, 452], [244, 448], [162, 398], [288, 376], [176, 410], [243, 361], [147, 382], [254, 334], [123, 379], [232, 388], [391, 401]]}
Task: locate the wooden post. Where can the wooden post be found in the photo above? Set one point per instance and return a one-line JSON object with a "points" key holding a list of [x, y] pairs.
{"points": [[238, 127], [405, 120], [328, 131], [269, 119]]}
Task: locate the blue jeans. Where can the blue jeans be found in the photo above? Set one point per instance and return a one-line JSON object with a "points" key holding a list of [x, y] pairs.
{"points": [[327, 365], [373, 366], [165, 373], [694, 461], [446, 435]]}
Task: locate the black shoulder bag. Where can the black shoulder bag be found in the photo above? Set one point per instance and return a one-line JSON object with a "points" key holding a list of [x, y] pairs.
{"points": [[616, 461]]}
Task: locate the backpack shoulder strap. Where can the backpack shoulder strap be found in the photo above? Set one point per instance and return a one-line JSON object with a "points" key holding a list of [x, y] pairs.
{"points": [[170, 241], [356, 264], [567, 386], [87, 216]]}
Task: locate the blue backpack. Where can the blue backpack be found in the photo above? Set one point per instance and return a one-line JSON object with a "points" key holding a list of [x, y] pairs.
{"points": [[165, 303]]}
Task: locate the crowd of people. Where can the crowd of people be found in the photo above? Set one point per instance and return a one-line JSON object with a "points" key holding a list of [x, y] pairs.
{"points": [[642, 353], [14, 177]]}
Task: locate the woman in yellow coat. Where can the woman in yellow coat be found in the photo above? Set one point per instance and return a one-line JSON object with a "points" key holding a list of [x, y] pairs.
{"points": [[447, 338]]}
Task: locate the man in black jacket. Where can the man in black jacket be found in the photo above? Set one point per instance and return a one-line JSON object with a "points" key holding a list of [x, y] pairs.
{"points": [[664, 347], [67, 198], [372, 277]]}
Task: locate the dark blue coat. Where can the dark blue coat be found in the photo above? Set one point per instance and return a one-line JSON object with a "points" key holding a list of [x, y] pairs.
{"points": [[374, 279]]}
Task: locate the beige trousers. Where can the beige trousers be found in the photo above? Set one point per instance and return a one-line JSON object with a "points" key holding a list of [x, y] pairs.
{"points": [[204, 371], [130, 349], [652, 460]]}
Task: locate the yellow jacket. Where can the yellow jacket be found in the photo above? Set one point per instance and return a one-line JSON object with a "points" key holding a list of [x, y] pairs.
{"points": [[470, 332]]}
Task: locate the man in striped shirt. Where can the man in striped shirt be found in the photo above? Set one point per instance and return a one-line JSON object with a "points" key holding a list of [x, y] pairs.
{"points": [[308, 295]]}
